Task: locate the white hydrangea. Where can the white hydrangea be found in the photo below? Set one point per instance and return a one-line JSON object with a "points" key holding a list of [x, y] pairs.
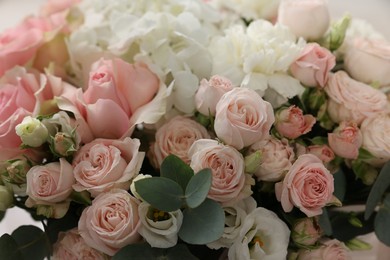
{"points": [[259, 57]]}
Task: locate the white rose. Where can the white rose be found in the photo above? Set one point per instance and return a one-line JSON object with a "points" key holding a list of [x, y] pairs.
{"points": [[160, 229], [263, 236], [32, 132]]}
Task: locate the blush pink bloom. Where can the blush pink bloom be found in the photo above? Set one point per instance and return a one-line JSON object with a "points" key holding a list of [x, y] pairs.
{"points": [[111, 222], [19, 45], [229, 181], [332, 249], [176, 137], [210, 92], [243, 118], [291, 123], [105, 164], [346, 140], [308, 185], [351, 100], [71, 246], [323, 152], [313, 65], [368, 61], [306, 231]]}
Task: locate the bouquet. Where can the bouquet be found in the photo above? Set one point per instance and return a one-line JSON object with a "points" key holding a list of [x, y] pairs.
{"points": [[194, 129]]}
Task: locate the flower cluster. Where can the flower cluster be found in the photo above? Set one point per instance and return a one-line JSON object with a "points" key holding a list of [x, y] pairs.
{"points": [[158, 127]]}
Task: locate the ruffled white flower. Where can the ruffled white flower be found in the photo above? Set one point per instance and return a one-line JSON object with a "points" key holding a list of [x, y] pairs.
{"points": [[262, 236], [159, 228], [259, 57], [234, 219]]}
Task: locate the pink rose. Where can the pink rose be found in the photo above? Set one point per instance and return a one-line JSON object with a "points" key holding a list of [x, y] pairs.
{"points": [[308, 185], [323, 152], [350, 100], [346, 140], [306, 18], [111, 222], [368, 61], [306, 231], [105, 164], [332, 249], [18, 45], [276, 158], [71, 246], [210, 92], [229, 182], [50, 184], [176, 137], [243, 118], [291, 123], [313, 65]]}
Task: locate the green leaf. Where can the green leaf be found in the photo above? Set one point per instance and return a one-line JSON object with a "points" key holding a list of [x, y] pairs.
{"points": [[319, 140], [324, 222], [175, 169], [180, 252], [340, 184], [138, 252], [162, 193], [378, 189], [32, 242], [382, 222], [203, 224], [198, 188], [365, 155], [9, 248]]}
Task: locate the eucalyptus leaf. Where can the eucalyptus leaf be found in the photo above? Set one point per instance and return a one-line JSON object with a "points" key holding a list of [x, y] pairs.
{"points": [[378, 189], [340, 184], [175, 169], [203, 224], [382, 222], [162, 193], [32, 242], [9, 248], [180, 252], [198, 188], [324, 222], [138, 252]]}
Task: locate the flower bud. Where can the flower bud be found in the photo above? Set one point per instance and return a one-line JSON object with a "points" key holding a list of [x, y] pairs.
{"points": [[15, 171], [335, 38], [57, 210], [132, 185], [32, 132], [358, 244], [306, 232], [346, 140], [252, 162], [291, 123], [321, 151], [6, 198], [63, 144]]}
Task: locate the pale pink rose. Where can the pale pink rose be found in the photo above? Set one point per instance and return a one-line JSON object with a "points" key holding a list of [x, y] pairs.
{"points": [[332, 249], [368, 61], [105, 164], [19, 45], [306, 231], [55, 6], [176, 137], [376, 138], [346, 140], [323, 152], [50, 183], [229, 181], [308, 185], [243, 118], [291, 123], [71, 246], [351, 100], [111, 222], [210, 92], [309, 19], [313, 65], [276, 158]]}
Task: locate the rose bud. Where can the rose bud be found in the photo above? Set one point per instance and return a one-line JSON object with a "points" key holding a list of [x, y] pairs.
{"points": [[332, 249], [6, 198], [306, 231], [321, 151], [291, 123], [63, 144], [346, 140], [32, 132]]}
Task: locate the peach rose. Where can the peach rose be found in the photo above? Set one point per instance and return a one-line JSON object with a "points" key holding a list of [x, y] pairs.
{"points": [[243, 118], [229, 182], [111, 222], [368, 61], [346, 140], [71, 246], [323, 152], [313, 65], [350, 100], [376, 139], [105, 164], [309, 19], [176, 137], [291, 123], [276, 158], [332, 249], [210, 92], [308, 185]]}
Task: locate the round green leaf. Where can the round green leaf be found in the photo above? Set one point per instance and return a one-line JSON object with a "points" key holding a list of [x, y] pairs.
{"points": [[382, 222], [340, 184], [324, 222], [203, 224], [175, 169], [162, 193], [198, 188], [9, 248], [32, 242]]}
